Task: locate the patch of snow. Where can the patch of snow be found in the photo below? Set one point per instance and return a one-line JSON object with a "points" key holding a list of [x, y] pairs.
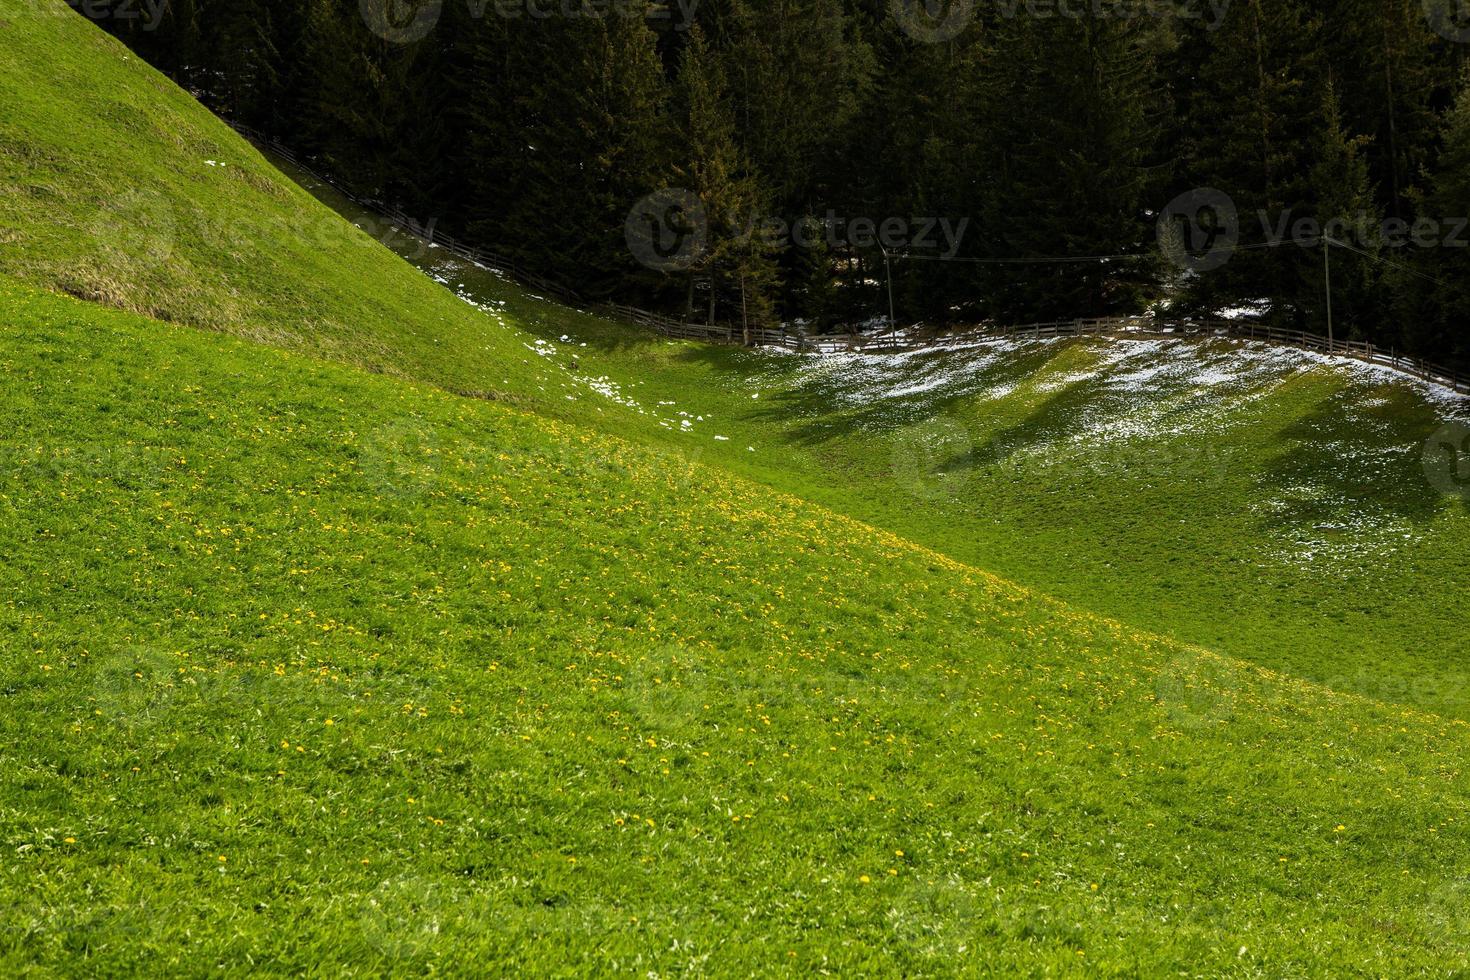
{"points": [[1247, 310]]}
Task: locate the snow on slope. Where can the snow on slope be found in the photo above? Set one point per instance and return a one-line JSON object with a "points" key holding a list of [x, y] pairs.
{"points": [[921, 379], [1155, 409]]}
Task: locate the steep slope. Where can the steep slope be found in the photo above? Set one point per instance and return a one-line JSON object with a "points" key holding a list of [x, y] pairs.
{"points": [[1305, 514], [117, 187], [313, 670], [1266, 503], [295, 685]]}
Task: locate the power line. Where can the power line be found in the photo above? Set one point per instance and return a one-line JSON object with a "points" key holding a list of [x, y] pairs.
{"points": [[1386, 261], [1068, 259], [1121, 256]]}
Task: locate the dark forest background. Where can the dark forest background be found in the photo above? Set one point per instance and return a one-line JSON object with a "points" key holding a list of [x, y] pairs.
{"points": [[1053, 136]]}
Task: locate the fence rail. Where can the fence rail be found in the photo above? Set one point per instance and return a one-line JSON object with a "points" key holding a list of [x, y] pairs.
{"points": [[1135, 327], [1145, 328]]}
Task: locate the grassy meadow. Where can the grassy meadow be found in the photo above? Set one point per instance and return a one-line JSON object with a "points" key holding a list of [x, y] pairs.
{"points": [[1254, 501], [348, 629]]}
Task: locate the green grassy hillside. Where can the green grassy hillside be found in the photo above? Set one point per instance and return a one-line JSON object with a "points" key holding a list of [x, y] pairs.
{"points": [[294, 684], [113, 188], [117, 187], [1259, 502], [317, 669]]}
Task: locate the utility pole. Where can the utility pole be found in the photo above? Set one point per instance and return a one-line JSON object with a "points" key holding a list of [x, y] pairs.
{"points": [[892, 323], [744, 317], [1327, 270]]}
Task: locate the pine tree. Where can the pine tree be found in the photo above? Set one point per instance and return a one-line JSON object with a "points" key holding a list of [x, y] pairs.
{"points": [[245, 61], [574, 131], [364, 106], [1076, 169], [929, 151], [486, 109], [736, 256], [1389, 74], [807, 275], [798, 71], [1347, 214], [1434, 296], [1244, 131]]}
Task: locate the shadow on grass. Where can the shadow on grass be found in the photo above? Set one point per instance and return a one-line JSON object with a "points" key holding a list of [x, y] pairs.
{"points": [[1357, 450], [826, 418]]}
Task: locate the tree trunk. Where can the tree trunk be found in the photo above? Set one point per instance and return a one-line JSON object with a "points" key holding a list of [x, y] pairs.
{"points": [[1393, 129], [1262, 111], [744, 319]]}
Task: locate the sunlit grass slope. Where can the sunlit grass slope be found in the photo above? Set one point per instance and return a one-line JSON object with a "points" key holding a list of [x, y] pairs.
{"points": [[1299, 534], [1256, 501], [310, 670], [116, 186]]}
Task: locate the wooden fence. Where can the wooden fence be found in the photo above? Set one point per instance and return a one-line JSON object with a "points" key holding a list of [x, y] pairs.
{"points": [[1147, 328], [1129, 328]]}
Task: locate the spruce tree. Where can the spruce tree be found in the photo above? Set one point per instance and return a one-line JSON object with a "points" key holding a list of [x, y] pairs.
{"points": [[798, 71], [930, 151], [736, 259], [1256, 83], [1077, 166], [1348, 214], [1434, 293], [1389, 73], [575, 135]]}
